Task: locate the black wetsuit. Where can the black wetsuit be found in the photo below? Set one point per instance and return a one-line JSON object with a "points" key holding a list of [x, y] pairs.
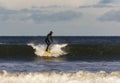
{"points": [[48, 40]]}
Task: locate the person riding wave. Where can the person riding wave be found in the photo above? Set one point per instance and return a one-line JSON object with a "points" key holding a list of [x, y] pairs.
{"points": [[48, 40]]}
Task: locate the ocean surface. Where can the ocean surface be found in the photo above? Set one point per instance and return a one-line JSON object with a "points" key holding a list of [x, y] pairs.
{"points": [[73, 59]]}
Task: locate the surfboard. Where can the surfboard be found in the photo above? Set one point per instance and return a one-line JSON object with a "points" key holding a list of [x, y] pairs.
{"points": [[47, 53]]}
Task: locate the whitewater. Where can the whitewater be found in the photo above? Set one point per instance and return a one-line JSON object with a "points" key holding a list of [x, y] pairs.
{"points": [[56, 49], [60, 77]]}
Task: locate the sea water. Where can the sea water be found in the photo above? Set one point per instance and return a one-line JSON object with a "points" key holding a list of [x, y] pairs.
{"points": [[74, 60]]}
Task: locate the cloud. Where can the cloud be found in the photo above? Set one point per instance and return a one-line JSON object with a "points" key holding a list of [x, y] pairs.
{"points": [[98, 6], [37, 15], [103, 4], [59, 16], [12, 15], [113, 15], [106, 1], [109, 1], [26, 4]]}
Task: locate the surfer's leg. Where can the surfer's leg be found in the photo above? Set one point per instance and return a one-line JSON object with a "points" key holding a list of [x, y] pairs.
{"points": [[47, 47], [48, 44]]}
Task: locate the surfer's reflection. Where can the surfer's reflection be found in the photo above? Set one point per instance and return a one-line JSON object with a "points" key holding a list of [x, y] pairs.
{"points": [[50, 59]]}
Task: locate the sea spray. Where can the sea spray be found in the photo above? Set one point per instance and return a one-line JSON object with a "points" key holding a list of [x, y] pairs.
{"points": [[56, 49], [60, 77]]}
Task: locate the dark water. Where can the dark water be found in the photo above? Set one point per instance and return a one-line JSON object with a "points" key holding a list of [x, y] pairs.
{"points": [[78, 48], [75, 52], [61, 39], [83, 53]]}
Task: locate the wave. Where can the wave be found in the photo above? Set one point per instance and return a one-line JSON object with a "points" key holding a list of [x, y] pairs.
{"points": [[60, 77], [55, 49], [61, 51], [16, 52]]}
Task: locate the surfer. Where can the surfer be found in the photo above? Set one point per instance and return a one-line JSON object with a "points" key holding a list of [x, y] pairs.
{"points": [[48, 39]]}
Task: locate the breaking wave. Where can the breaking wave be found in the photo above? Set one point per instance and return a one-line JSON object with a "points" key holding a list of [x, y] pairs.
{"points": [[60, 77], [56, 49], [65, 51]]}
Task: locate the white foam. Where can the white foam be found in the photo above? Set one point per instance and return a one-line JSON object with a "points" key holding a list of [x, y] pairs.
{"points": [[55, 49], [60, 77]]}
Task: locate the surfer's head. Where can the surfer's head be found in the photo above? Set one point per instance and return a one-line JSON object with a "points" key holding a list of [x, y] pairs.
{"points": [[51, 32]]}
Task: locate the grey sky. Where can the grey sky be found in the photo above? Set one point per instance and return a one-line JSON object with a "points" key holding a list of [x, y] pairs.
{"points": [[78, 17], [113, 15]]}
